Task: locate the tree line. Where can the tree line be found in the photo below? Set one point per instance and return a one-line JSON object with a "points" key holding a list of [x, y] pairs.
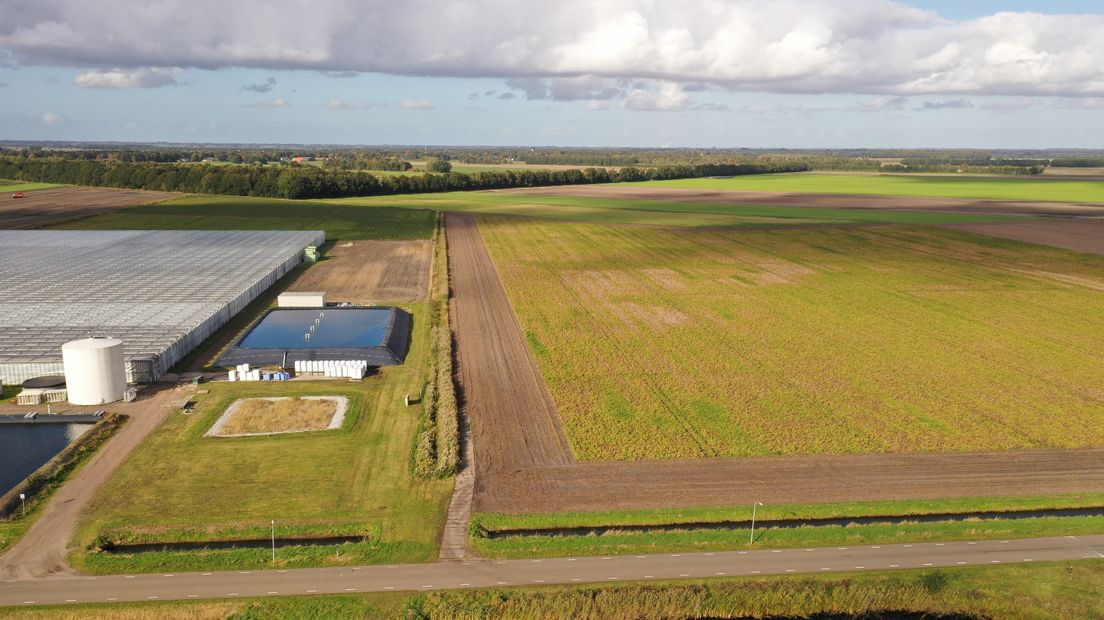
{"points": [[315, 182]]}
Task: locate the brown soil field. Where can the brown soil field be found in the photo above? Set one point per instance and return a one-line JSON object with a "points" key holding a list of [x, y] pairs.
{"points": [[45, 207], [370, 272], [524, 464], [513, 421], [1079, 234], [833, 201], [1074, 173], [258, 415]]}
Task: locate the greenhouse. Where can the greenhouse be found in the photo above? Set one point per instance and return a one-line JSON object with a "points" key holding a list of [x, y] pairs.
{"points": [[161, 292]]}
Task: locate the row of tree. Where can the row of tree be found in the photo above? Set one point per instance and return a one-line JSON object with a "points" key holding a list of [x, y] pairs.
{"points": [[314, 182]]}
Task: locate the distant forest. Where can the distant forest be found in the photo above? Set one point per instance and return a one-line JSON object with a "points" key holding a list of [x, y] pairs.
{"points": [[284, 171]]}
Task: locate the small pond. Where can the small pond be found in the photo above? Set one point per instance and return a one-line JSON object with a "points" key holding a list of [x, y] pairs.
{"points": [[26, 447]]}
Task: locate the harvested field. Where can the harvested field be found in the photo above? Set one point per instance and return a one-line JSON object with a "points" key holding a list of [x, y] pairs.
{"points": [[677, 344], [1081, 235], [515, 473], [504, 393], [293, 414], [950, 205], [370, 272], [45, 207]]}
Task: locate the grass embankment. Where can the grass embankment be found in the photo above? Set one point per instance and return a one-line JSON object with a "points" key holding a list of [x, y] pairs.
{"points": [[9, 392], [437, 452], [980, 187], [40, 486], [242, 213], [181, 486], [1031, 592], [667, 536], [20, 186], [653, 212], [676, 343]]}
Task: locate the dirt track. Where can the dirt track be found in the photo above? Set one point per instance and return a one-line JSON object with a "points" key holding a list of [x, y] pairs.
{"points": [[524, 464], [513, 421], [370, 272], [1082, 234], [832, 201], [44, 207]]}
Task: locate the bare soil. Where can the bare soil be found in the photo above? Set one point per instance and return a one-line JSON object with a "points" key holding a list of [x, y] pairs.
{"points": [[1080, 234], [524, 463], [46, 207], [832, 201], [370, 272]]}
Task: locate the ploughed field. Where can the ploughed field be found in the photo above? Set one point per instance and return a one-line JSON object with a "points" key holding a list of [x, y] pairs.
{"points": [[674, 343], [370, 272], [43, 204]]}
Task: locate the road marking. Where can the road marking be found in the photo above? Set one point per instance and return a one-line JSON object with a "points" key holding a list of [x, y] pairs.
{"points": [[576, 579], [676, 555], [994, 561], [311, 591], [810, 549], [649, 576], [718, 573], [427, 586], [776, 551], [70, 600], [570, 559], [464, 585], [273, 592], [641, 557], [825, 569], [357, 567], [907, 546], [113, 599], [346, 589], [939, 544], [1004, 541], [709, 554], [232, 594], [206, 574], [501, 583], [860, 567], [28, 602], [927, 564], [607, 558], [1028, 560], [151, 597], [535, 561], [193, 596], [789, 570], [388, 587], [754, 572], [284, 571], [611, 578], [538, 581], [971, 543], [129, 577], [842, 548], [894, 565], [243, 572], [876, 547], [960, 563], [742, 552], [684, 574]]}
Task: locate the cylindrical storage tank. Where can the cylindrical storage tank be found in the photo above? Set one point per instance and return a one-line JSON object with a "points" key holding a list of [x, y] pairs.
{"points": [[94, 370]]}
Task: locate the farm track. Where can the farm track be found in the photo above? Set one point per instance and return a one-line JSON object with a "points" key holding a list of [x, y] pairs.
{"points": [[47, 207], [1081, 235], [524, 464], [970, 206], [504, 393]]}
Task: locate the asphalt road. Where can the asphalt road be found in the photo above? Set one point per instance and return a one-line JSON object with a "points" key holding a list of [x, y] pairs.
{"points": [[491, 573]]}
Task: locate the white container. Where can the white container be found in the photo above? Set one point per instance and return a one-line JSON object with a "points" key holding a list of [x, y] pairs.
{"points": [[94, 370], [232, 375]]}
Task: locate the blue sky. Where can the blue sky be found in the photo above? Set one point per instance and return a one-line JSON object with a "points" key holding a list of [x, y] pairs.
{"points": [[736, 73]]}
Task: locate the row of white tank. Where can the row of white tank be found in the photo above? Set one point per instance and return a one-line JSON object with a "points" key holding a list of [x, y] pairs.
{"points": [[352, 369]]}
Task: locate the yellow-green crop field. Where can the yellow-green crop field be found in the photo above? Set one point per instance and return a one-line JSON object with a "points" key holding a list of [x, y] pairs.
{"points": [[688, 343]]}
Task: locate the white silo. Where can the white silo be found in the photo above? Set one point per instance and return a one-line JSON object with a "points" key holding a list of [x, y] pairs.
{"points": [[94, 370]]}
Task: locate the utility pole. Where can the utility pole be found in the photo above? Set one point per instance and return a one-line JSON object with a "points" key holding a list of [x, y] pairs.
{"points": [[23, 503], [754, 505], [274, 540]]}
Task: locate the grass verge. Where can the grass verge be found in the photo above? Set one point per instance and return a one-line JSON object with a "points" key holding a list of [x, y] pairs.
{"points": [[180, 486], [1032, 592], [690, 539]]}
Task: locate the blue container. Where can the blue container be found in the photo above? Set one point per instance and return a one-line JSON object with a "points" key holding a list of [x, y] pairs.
{"points": [[266, 376]]}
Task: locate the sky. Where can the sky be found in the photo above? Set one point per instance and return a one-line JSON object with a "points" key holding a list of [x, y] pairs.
{"points": [[633, 73]]}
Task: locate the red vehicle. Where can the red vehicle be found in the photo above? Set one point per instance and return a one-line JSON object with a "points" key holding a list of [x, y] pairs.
{"points": [[17, 195]]}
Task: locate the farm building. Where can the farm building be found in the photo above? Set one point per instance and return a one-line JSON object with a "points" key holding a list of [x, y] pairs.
{"points": [[161, 293]]}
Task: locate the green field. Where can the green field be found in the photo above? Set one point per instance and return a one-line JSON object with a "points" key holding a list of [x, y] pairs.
{"points": [[181, 486], [652, 212], [20, 186], [1031, 592], [991, 188], [244, 213], [680, 343]]}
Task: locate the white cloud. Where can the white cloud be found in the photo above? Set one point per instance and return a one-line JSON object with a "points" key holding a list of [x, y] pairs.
{"points": [[416, 104], [883, 104], [667, 98], [877, 47], [145, 77], [952, 104], [51, 118], [597, 106], [278, 102]]}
